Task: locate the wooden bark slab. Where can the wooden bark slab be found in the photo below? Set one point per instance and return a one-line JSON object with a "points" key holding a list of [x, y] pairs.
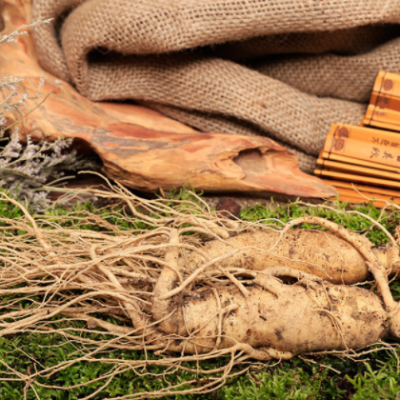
{"points": [[143, 149]]}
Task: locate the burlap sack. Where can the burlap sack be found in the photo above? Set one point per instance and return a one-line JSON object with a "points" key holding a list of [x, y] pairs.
{"points": [[195, 60]]}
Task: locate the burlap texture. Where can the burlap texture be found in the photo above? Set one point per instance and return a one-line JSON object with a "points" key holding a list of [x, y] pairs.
{"points": [[180, 57]]}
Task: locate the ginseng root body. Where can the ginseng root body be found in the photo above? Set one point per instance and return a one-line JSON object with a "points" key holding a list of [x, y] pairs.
{"points": [[268, 318], [278, 320], [321, 253]]}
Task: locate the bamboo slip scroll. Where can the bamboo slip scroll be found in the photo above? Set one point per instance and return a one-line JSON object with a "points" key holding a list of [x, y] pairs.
{"points": [[384, 107], [355, 156]]}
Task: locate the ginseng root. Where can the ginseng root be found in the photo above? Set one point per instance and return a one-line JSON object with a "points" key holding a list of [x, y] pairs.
{"points": [[275, 320], [334, 255]]}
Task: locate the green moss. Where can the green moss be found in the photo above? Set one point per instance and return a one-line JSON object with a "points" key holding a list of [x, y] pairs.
{"points": [[328, 377]]}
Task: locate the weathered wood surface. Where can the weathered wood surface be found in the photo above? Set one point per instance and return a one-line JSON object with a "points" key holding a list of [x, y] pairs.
{"points": [[143, 149]]}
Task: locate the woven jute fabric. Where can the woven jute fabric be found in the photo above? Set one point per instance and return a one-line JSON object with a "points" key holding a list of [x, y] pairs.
{"points": [[282, 68]]}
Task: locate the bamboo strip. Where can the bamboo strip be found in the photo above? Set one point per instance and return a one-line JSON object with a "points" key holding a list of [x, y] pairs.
{"points": [[327, 173], [371, 145], [334, 165], [364, 188], [384, 107], [349, 160]]}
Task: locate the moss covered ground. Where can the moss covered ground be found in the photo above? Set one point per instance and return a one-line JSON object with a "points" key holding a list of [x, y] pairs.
{"points": [[373, 376]]}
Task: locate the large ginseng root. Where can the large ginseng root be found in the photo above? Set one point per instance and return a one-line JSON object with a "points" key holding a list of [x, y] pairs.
{"points": [[271, 319], [327, 254]]}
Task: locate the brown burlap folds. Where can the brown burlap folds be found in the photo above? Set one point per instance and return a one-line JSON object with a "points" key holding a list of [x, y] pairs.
{"points": [[282, 68]]}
